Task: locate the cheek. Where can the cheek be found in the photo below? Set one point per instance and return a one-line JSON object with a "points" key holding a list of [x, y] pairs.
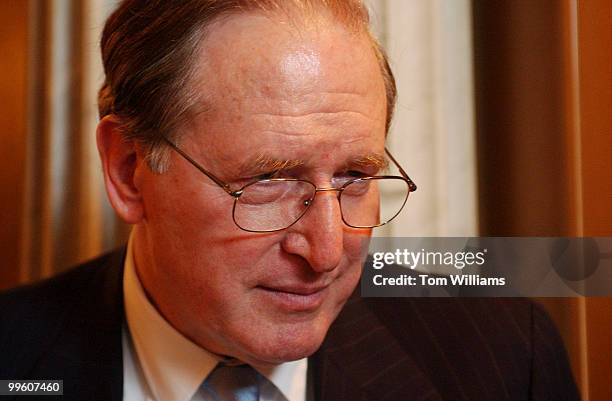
{"points": [[356, 243], [198, 250], [212, 284], [195, 221], [356, 256]]}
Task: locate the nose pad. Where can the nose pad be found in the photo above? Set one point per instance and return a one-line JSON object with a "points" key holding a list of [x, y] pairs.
{"points": [[309, 201]]}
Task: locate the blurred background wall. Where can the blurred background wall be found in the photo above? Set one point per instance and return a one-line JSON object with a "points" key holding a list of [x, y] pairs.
{"points": [[503, 120], [543, 86], [54, 210]]}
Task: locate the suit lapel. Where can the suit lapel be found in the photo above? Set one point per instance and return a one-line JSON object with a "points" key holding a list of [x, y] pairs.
{"points": [[361, 360]]}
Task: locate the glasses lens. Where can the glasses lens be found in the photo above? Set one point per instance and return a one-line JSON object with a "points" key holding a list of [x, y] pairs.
{"points": [[373, 201], [271, 205]]}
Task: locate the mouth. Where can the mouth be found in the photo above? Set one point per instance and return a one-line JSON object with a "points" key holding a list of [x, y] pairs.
{"points": [[297, 298]]}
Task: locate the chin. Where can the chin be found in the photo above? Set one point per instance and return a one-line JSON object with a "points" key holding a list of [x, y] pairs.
{"points": [[284, 344], [288, 351]]}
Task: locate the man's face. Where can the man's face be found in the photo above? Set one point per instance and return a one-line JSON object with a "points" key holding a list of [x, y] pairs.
{"points": [[312, 94]]}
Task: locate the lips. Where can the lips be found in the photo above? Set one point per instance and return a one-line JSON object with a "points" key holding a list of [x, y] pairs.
{"points": [[295, 298], [296, 289]]}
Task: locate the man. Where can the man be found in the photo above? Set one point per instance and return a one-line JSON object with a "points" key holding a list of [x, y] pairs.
{"points": [[240, 138]]}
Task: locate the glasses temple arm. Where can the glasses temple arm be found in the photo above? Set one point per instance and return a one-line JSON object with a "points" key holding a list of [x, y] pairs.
{"points": [[195, 164], [411, 183]]}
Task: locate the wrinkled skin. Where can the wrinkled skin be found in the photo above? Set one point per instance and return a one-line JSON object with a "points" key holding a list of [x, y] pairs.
{"points": [[313, 94]]}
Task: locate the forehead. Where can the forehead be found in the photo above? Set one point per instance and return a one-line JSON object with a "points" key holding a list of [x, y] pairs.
{"points": [[269, 55], [304, 88]]}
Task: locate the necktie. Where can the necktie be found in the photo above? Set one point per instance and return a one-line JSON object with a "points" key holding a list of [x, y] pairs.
{"points": [[231, 383], [237, 383]]}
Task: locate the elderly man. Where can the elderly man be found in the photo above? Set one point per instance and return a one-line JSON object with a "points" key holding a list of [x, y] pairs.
{"points": [[245, 142]]}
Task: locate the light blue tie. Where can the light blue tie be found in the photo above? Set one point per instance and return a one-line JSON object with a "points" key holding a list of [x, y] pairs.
{"points": [[231, 383], [232, 380]]}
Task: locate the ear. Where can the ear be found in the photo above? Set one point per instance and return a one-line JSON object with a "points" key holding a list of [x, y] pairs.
{"points": [[119, 162]]}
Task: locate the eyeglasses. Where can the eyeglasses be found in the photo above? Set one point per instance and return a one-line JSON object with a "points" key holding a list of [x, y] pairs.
{"points": [[274, 204]]}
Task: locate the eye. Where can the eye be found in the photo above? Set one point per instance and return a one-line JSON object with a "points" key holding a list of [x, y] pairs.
{"points": [[346, 176], [357, 188], [357, 174], [267, 176], [256, 177], [352, 174]]}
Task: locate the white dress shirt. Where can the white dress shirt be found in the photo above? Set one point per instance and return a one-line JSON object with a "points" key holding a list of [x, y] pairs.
{"points": [[160, 364]]}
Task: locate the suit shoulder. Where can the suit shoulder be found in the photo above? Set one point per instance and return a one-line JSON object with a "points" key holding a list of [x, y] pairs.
{"points": [[32, 315], [60, 288], [507, 347], [500, 328], [506, 310]]}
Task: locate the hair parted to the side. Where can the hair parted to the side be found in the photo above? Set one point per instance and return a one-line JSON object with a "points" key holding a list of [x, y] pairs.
{"points": [[149, 49]]}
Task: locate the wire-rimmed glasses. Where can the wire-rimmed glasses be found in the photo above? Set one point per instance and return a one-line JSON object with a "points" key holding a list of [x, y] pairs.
{"points": [[274, 204]]}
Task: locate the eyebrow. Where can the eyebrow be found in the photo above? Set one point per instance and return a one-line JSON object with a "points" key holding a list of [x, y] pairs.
{"points": [[268, 163], [373, 160]]}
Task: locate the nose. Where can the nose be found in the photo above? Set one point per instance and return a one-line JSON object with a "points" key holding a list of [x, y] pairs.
{"points": [[318, 236]]}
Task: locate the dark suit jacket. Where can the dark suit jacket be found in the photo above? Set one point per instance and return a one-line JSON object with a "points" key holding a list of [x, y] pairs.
{"points": [[69, 328]]}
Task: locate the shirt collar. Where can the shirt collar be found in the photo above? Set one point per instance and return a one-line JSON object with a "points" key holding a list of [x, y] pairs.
{"points": [[174, 367]]}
